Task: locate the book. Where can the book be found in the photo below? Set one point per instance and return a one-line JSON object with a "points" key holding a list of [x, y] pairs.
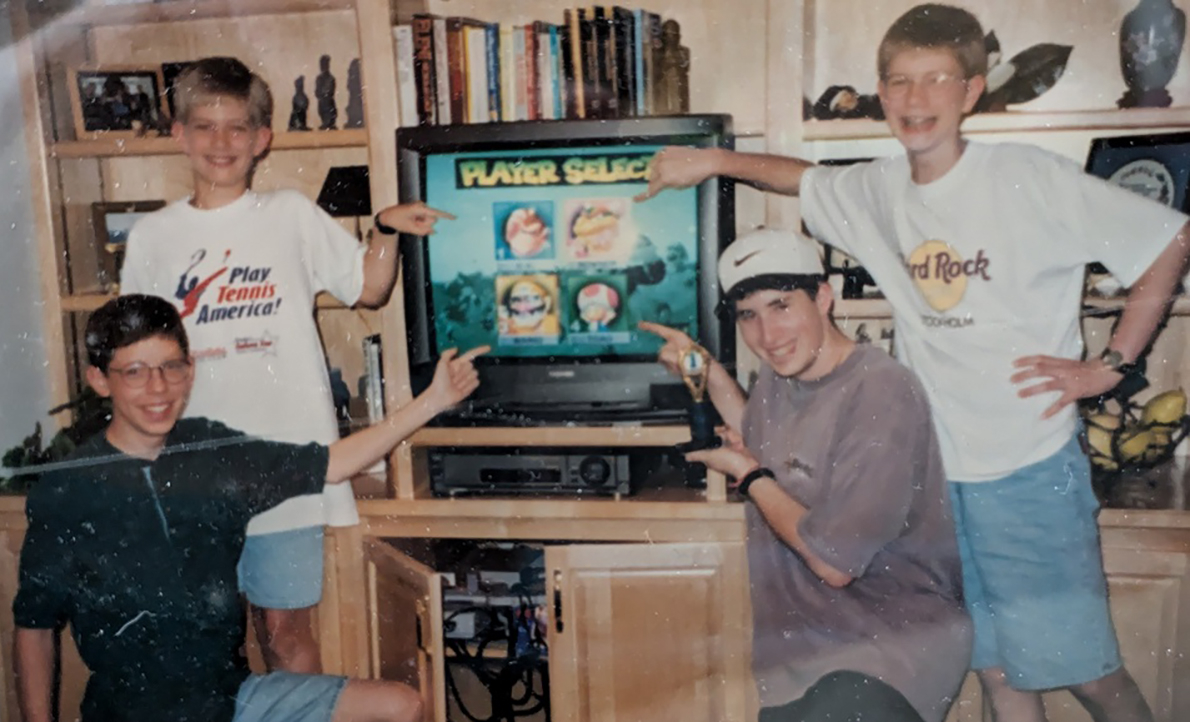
{"points": [[406, 83], [442, 89], [423, 69], [495, 99], [477, 97], [571, 45]]}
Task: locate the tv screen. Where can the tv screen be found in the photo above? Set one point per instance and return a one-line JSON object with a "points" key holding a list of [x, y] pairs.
{"points": [[552, 263]]}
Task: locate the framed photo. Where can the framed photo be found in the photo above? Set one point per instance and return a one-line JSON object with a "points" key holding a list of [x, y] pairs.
{"points": [[113, 221], [116, 101], [169, 75], [1157, 166]]}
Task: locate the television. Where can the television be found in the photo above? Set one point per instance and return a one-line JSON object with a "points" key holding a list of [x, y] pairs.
{"points": [[552, 264]]}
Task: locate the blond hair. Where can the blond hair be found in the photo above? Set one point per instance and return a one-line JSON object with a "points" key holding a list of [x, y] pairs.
{"points": [[207, 80], [936, 26]]}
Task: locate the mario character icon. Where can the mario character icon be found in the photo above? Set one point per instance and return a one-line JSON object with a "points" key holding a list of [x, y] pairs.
{"points": [[523, 231], [594, 230], [598, 305], [528, 305]]}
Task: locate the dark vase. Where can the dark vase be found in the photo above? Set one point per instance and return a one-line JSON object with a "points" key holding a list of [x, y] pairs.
{"points": [[1151, 39]]}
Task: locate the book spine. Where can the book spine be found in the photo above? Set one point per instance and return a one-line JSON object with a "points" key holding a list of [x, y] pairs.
{"points": [[625, 61], [406, 81], [532, 82], [475, 40], [492, 47], [507, 74], [442, 89], [423, 68], [373, 370], [457, 64], [588, 59], [638, 43], [572, 74], [557, 80]]}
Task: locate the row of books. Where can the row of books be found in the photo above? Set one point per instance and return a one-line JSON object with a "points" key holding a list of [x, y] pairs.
{"points": [[600, 62]]}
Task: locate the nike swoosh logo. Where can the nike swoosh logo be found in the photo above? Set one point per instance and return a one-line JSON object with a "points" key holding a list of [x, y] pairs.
{"points": [[741, 261]]}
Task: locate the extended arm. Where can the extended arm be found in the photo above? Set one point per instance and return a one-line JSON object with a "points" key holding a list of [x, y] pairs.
{"points": [[454, 380], [679, 167], [33, 662], [380, 261]]}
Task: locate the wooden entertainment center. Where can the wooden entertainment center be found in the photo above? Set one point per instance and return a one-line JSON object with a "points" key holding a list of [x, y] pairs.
{"points": [[649, 591]]}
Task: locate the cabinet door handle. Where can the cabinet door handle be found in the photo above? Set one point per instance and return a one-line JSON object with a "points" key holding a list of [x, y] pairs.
{"points": [[558, 601]]}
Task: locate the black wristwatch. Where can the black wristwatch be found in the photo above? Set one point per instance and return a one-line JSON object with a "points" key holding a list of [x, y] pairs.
{"points": [[1114, 360], [758, 473], [382, 227]]}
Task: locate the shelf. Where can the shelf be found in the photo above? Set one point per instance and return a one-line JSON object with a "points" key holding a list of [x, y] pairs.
{"points": [[1014, 121], [618, 435], [179, 10], [88, 302], [165, 145]]}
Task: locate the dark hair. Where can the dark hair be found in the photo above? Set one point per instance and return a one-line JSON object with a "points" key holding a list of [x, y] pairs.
{"points": [[936, 26], [129, 319], [209, 79], [808, 282]]}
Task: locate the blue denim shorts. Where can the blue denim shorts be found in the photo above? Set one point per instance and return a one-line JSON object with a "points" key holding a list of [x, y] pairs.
{"points": [[282, 570], [1033, 573], [288, 697]]}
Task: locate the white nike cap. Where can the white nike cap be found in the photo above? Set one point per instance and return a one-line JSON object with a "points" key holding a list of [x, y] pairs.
{"points": [[768, 251]]}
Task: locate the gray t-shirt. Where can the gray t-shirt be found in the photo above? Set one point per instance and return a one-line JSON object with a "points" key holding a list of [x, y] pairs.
{"points": [[857, 449]]}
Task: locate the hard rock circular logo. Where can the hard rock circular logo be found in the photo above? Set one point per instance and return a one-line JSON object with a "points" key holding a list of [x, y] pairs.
{"points": [[937, 269]]}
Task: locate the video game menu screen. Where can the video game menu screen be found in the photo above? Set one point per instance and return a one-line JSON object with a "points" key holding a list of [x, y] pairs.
{"points": [[550, 256]]}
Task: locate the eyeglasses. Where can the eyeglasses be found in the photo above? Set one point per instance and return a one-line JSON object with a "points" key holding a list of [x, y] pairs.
{"points": [[136, 375], [899, 85]]}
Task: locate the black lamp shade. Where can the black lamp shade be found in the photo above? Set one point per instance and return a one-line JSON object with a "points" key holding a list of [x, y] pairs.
{"points": [[345, 192]]}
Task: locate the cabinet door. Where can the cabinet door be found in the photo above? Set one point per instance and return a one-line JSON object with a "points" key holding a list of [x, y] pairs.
{"points": [[646, 632], [405, 624]]}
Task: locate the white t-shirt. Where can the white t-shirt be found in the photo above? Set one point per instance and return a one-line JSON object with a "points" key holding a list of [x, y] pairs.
{"points": [[244, 278], [981, 267]]}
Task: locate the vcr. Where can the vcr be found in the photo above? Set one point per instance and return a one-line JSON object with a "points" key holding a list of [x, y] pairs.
{"points": [[503, 471]]}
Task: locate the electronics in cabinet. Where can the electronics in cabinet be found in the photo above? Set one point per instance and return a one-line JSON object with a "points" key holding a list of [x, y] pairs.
{"points": [[506, 472]]}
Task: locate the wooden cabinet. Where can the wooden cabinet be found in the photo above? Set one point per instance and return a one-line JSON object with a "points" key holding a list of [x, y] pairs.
{"points": [[636, 631]]}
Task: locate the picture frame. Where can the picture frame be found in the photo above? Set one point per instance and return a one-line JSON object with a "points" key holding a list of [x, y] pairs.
{"points": [[1154, 165], [169, 75], [112, 221], [116, 101]]}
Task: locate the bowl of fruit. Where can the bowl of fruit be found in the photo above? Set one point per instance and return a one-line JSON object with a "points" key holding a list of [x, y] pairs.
{"points": [[1126, 441]]}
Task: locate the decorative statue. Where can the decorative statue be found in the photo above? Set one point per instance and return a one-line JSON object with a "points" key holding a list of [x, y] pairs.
{"points": [[324, 90], [1151, 38], [301, 104], [355, 97]]}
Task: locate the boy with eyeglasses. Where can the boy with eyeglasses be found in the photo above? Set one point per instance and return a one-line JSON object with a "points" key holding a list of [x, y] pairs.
{"points": [[135, 539], [981, 251]]}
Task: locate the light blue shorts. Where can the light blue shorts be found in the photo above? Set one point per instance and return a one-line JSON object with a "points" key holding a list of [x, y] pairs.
{"points": [[1033, 574], [288, 697], [282, 570]]}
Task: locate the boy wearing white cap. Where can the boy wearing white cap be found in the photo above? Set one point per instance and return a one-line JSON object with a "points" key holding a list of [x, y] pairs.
{"points": [[855, 580]]}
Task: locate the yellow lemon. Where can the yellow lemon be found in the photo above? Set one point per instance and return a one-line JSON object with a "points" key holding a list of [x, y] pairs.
{"points": [[1165, 408]]}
